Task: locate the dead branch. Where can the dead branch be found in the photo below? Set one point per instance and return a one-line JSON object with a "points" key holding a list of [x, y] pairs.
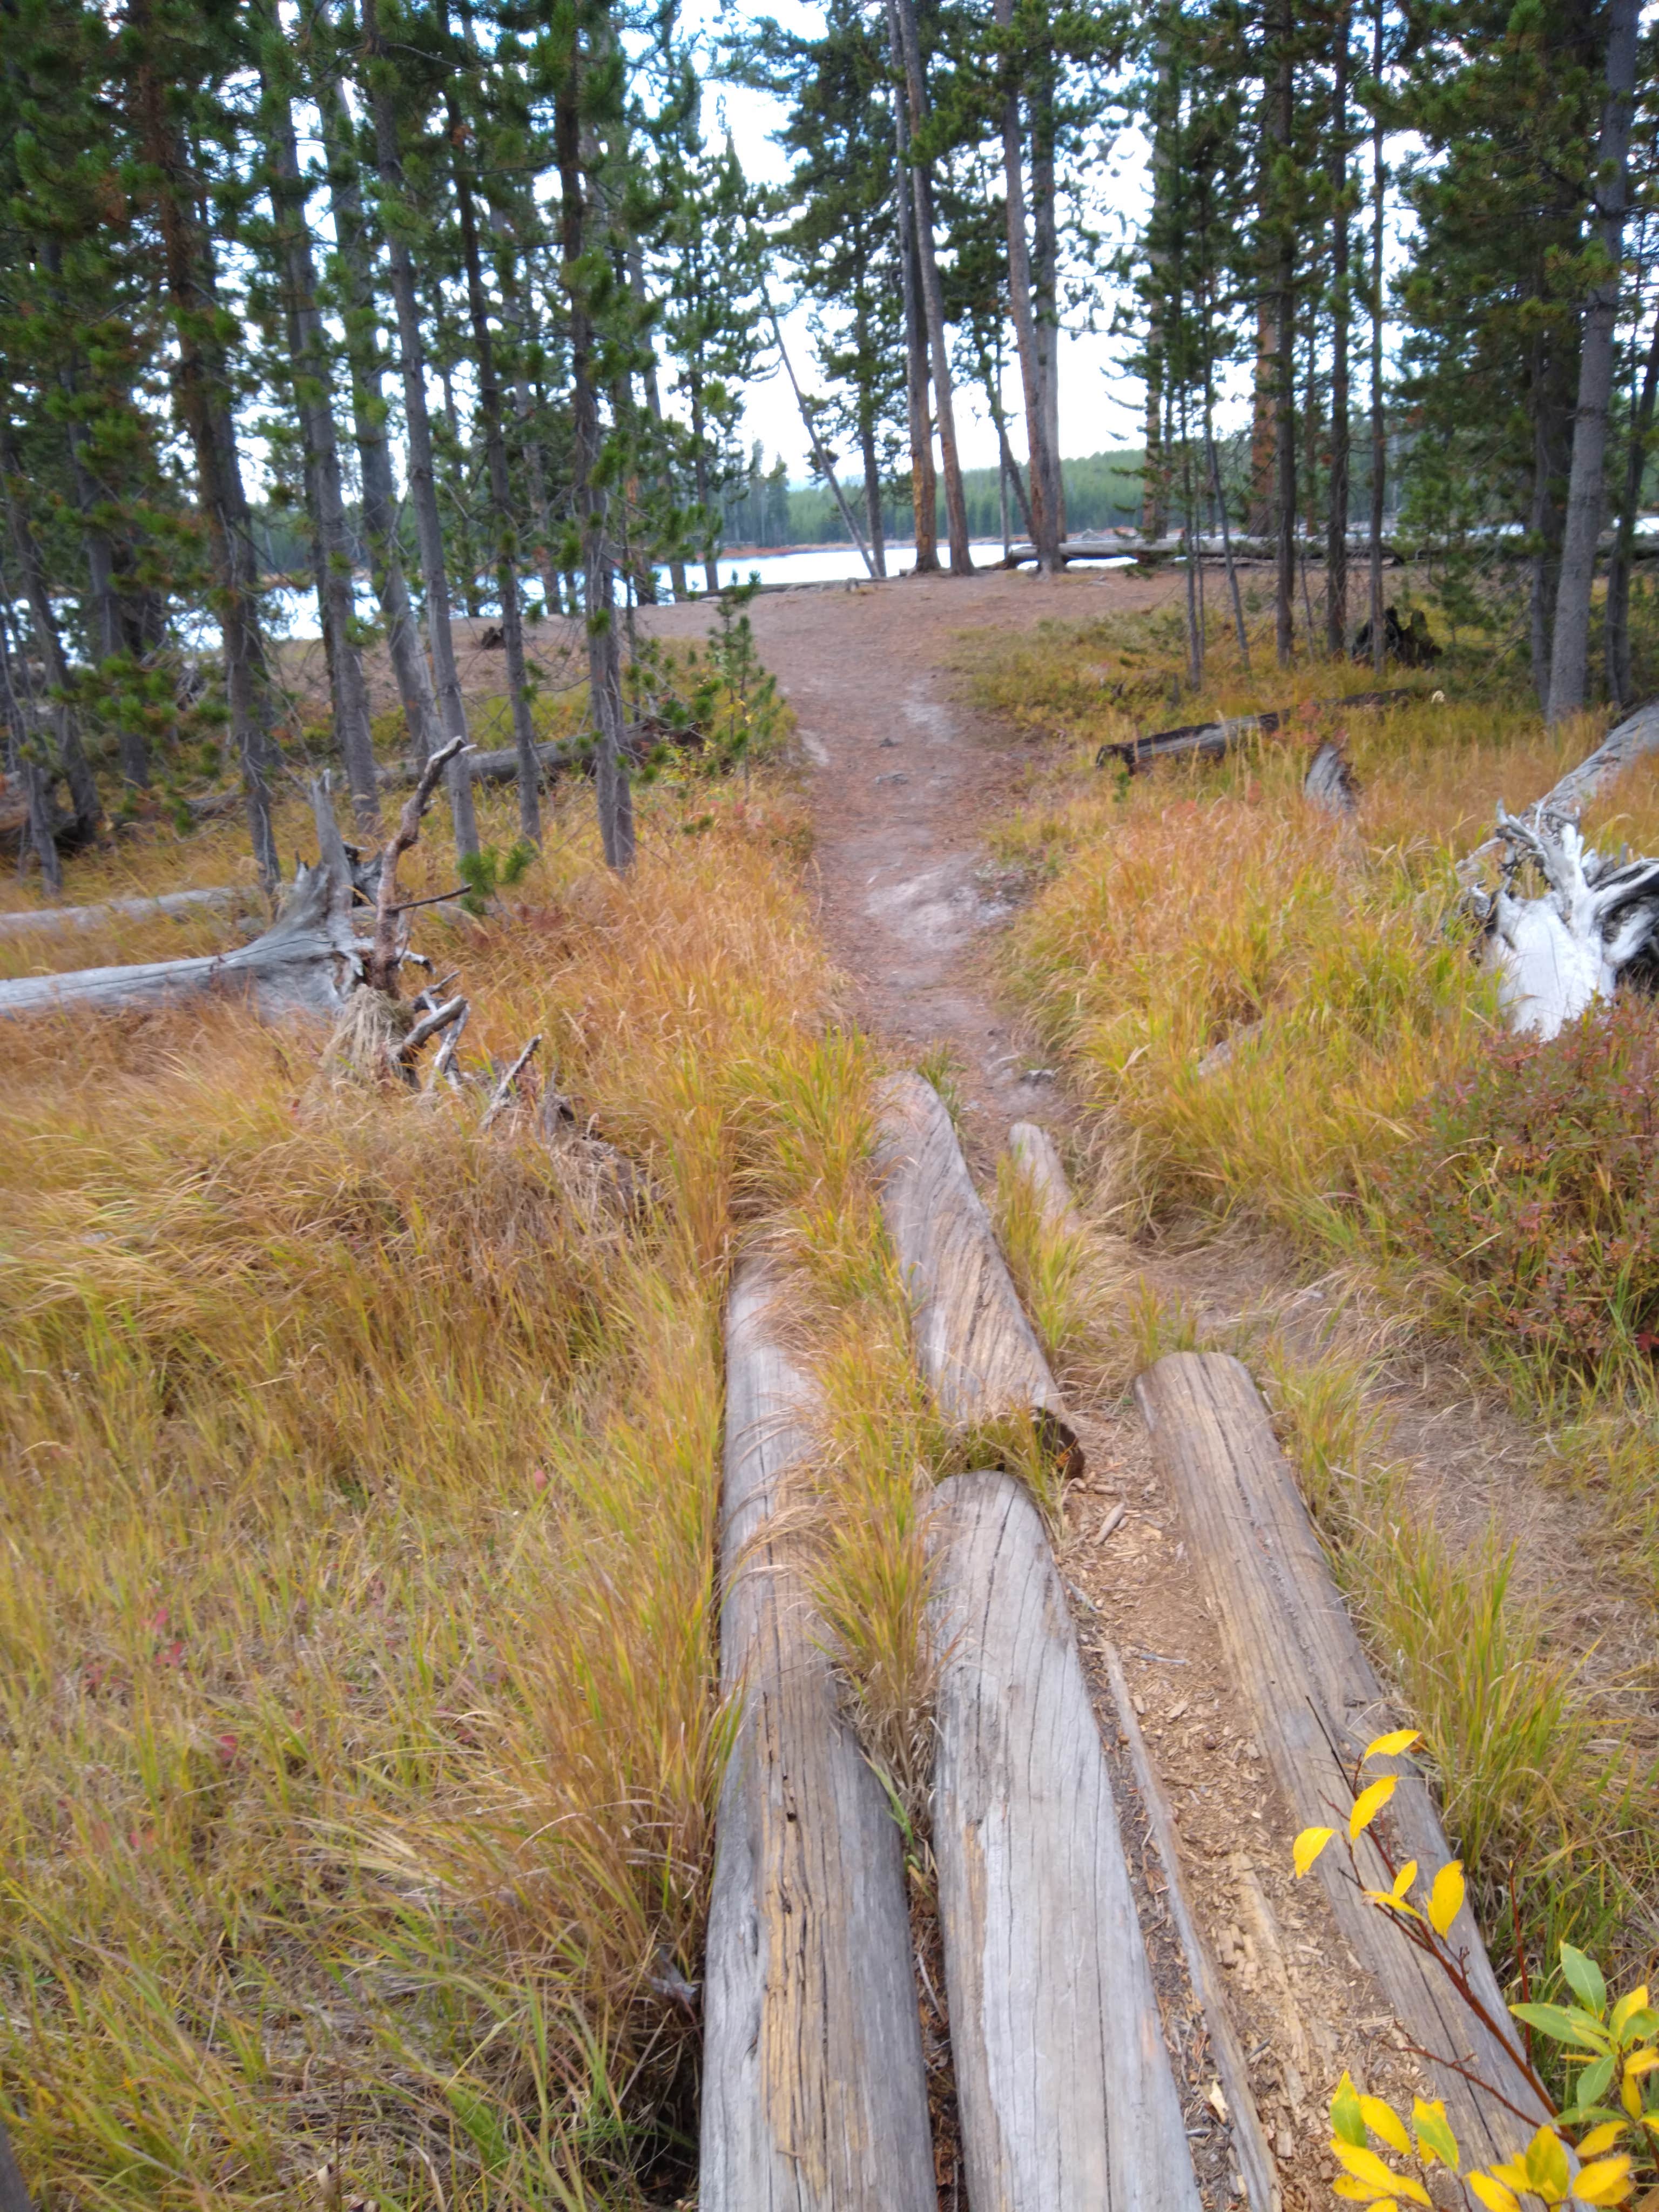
{"points": [[380, 964], [454, 1010], [504, 1089], [1210, 741]]}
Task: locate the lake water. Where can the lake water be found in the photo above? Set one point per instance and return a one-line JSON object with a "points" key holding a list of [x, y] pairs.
{"points": [[293, 613]]}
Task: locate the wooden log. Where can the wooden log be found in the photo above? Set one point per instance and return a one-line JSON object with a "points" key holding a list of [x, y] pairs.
{"points": [[1065, 2089], [1329, 784], [14, 2194], [1308, 1687], [814, 2089], [977, 1350], [1256, 2160], [223, 899], [1210, 741], [1036, 1158]]}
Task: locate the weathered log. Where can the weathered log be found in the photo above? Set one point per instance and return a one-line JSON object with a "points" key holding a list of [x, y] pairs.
{"points": [[1210, 741], [977, 1350], [304, 964], [221, 899], [1036, 1158], [814, 2095], [14, 2194], [1636, 737], [1313, 1700], [1065, 2093], [1329, 784], [1256, 2159]]}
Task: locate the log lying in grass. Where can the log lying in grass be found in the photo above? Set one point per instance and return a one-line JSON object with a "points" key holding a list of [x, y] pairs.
{"points": [[1256, 2160], [1035, 1157], [1210, 741], [1329, 784], [1308, 1687], [814, 2092], [14, 2196], [975, 1346], [223, 899], [1065, 2090]]}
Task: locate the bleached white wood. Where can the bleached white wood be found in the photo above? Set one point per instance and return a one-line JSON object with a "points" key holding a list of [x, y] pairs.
{"points": [[814, 2089], [222, 899], [1066, 2098]]}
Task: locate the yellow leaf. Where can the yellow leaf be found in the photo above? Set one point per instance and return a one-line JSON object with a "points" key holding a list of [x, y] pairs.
{"points": [[1513, 2173], [1386, 1901], [1365, 2166], [1446, 1898], [1605, 2181], [1391, 1746], [1308, 1846], [1382, 2120], [1355, 2191], [1546, 2165], [1405, 1878], [1493, 2194], [1433, 2131], [1630, 2095], [1632, 2001], [1601, 2139], [1369, 1803], [1642, 2061]]}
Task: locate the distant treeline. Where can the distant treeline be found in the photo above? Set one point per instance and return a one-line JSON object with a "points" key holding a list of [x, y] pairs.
{"points": [[1102, 491]]}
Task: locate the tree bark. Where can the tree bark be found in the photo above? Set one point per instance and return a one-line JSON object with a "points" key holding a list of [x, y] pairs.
{"points": [[1620, 681], [616, 802], [814, 2091], [924, 488], [1336, 534], [25, 767], [1570, 648], [501, 498], [71, 754], [1063, 2082], [313, 402], [1045, 270], [1042, 522], [933, 292], [418, 427], [379, 494], [1280, 123], [202, 390], [1379, 444]]}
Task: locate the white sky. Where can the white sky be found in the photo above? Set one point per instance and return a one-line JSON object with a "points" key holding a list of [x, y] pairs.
{"points": [[1100, 406]]}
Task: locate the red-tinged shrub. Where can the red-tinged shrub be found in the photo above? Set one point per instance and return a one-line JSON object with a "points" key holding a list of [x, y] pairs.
{"points": [[1534, 1190]]}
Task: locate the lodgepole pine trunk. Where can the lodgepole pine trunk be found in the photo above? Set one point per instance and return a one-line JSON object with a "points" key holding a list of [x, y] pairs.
{"points": [[1570, 646], [1279, 124], [71, 754], [26, 766], [202, 390], [501, 498], [1379, 444], [924, 489], [380, 494], [313, 402], [1620, 681], [1043, 522], [1336, 534], [933, 290], [1045, 271], [417, 426], [616, 801]]}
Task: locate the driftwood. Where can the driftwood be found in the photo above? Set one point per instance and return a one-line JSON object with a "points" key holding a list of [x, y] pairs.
{"points": [[814, 2094], [1064, 2086], [224, 899], [1037, 1160], [1312, 1701], [1210, 741], [1256, 2160], [977, 1349]]}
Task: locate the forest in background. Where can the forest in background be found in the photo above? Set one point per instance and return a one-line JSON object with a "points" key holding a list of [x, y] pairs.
{"points": [[470, 297]]}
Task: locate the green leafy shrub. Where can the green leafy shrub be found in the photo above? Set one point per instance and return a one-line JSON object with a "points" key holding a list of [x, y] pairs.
{"points": [[1534, 1190]]}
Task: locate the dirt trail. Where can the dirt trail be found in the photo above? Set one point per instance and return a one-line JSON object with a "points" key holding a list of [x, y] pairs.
{"points": [[904, 780]]}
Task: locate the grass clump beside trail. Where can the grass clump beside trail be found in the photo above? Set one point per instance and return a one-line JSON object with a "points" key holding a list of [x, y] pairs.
{"points": [[1281, 1017], [356, 1661]]}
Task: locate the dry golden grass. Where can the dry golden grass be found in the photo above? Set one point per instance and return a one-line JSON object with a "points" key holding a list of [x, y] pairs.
{"points": [[357, 1674]]}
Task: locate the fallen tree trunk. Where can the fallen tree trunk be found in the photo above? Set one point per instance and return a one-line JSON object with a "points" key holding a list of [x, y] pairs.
{"points": [[1313, 1702], [1210, 741], [14, 2194], [1065, 2089], [977, 1348], [1036, 1159], [1256, 2159], [224, 899], [814, 2095]]}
